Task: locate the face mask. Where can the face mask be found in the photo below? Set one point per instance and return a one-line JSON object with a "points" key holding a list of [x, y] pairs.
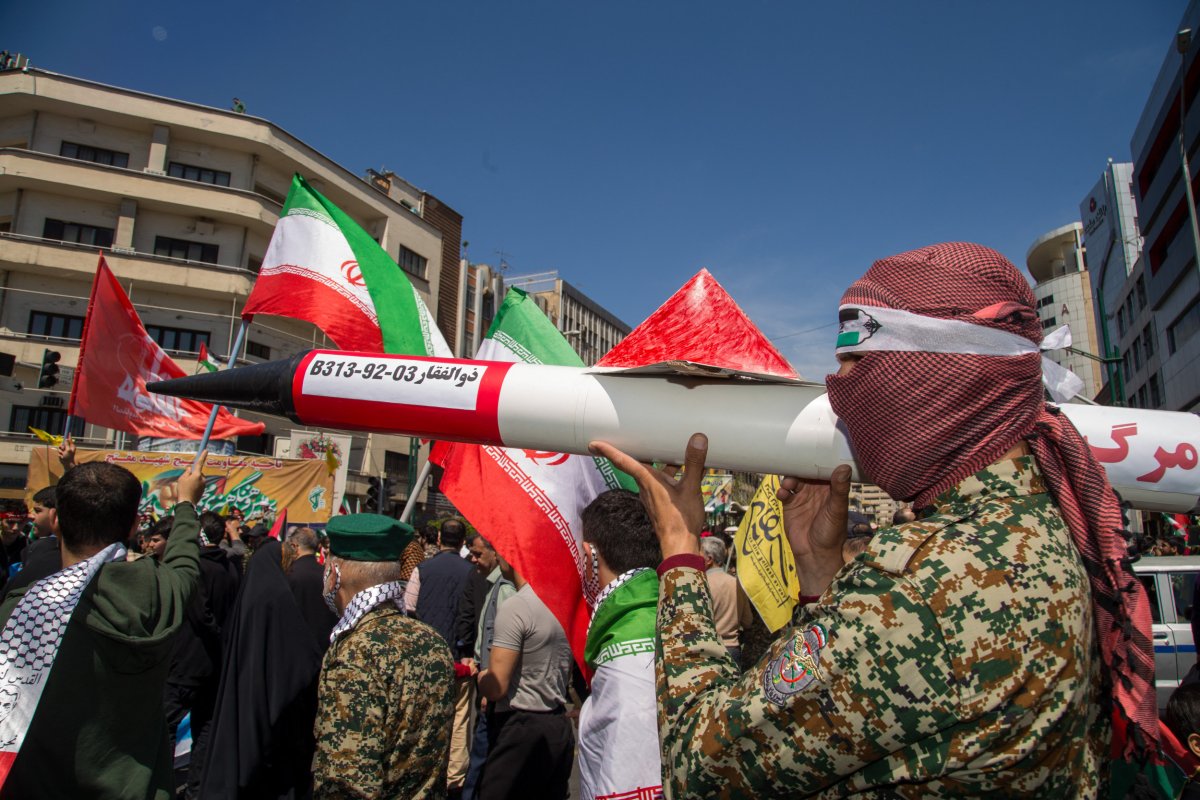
{"points": [[330, 597]]}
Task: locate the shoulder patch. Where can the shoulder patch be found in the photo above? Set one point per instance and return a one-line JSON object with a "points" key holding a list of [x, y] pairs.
{"points": [[796, 667]]}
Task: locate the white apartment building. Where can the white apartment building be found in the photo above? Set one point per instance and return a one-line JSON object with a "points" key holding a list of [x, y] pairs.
{"points": [[1064, 297], [181, 199]]}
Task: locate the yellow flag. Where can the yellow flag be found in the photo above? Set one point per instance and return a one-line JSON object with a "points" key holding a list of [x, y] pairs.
{"points": [[765, 565], [46, 437], [331, 460]]}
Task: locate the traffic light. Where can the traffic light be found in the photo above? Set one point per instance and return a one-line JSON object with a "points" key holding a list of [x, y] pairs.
{"points": [[373, 495], [389, 488], [48, 376]]}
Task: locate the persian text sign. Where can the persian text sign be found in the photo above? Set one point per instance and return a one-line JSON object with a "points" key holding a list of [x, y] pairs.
{"points": [[252, 484], [765, 565]]}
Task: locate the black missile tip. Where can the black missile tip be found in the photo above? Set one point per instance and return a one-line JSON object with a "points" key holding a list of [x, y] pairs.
{"points": [[266, 388]]}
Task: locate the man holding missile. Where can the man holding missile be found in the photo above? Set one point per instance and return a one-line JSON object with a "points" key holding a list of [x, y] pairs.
{"points": [[978, 650]]}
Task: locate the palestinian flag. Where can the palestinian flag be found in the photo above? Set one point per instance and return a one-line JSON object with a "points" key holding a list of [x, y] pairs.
{"points": [[322, 267], [205, 360], [527, 502]]}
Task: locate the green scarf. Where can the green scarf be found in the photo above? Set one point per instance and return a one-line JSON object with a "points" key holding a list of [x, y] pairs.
{"points": [[625, 621]]}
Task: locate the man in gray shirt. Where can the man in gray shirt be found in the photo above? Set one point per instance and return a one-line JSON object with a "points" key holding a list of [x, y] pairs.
{"points": [[532, 748]]}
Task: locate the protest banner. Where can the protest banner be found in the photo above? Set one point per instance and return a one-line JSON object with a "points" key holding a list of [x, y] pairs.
{"points": [[256, 485]]}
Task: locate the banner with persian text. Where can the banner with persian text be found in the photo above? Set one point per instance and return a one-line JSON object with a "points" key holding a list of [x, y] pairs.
{"points": [[259, 486]]}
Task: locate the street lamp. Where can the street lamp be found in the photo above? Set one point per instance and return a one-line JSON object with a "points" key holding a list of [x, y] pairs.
{"points": [[1183, 43]]}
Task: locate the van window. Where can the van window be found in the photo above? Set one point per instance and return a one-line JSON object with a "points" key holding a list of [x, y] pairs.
{"points": [[1152, 593], [1183, 586]]}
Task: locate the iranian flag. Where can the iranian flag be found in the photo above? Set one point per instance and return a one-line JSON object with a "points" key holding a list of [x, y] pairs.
{"points": [[527, 502], [322, 267], [205, 360]]}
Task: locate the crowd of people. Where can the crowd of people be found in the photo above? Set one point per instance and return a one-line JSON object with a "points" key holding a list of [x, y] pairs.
{"points": [[992, 641]]}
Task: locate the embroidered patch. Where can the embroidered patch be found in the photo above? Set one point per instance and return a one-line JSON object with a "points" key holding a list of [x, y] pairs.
{"points": [[855, 327], [796, 667]]}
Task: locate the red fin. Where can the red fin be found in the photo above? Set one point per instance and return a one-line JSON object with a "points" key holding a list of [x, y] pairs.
{"points": [[700, 323]]}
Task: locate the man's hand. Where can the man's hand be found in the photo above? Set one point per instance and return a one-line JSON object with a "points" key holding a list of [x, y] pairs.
{"points": [[814, 516], [675, 506], [66, 452], [190, 486], [470, 665]]}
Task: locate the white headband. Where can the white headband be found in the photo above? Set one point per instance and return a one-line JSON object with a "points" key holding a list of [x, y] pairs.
{"points": [[865, 329]]}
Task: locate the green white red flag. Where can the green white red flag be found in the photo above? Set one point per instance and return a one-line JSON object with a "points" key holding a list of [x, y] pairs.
{"points": [[321, 266], [527, 503]]}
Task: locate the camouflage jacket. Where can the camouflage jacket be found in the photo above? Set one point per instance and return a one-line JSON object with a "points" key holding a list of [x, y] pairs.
{"points": [[955, 657], [384, 711]]}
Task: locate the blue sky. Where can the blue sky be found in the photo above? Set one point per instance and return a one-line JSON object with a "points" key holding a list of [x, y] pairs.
{"points": [[783, 145]]}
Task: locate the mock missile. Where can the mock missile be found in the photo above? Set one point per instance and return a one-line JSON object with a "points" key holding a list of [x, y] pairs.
{"points": [[756, 425]]}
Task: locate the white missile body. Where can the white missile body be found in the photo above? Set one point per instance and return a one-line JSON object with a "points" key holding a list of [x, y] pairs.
{"points": [[784, 427]]}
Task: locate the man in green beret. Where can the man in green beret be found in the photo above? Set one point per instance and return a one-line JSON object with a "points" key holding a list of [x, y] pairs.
{"points": [[385, 702]]}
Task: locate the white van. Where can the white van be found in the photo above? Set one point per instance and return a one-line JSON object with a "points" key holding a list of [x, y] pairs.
{"points": [[1170, 582]]}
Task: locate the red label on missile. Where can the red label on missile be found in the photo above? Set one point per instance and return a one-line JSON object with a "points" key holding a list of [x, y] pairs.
{"points": [[419, 395]]}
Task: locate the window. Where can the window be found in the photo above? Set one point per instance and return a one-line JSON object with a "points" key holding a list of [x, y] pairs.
{"points": [[1156, 391], [1121, 321], [46, 418], [470, 298], [412, 263], [396, 465], [178, 339], [202, 174], [1143, 397], [269, 193], [1137, 354], [1050, 323], [58, 326], [1141, 291], [1152, 593], [77, 232], [181, 248], [98, 155], [1182, 329], [1148, 340], [254, 263], [1125, 366], [258, 350]]}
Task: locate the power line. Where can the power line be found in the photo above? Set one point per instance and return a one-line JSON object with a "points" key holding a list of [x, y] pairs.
{"points": [[801, 333]]}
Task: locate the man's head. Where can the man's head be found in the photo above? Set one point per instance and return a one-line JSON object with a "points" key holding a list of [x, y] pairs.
{"points": [[482, 554], [1183, 716], [454, 532], [714, 552], [617, 526], [97, 505], [45, 517], [156, 541], [904, 516], [923, 406], [303, 541], [8, 701], [212, 529], [10, 527], [364, 551]]}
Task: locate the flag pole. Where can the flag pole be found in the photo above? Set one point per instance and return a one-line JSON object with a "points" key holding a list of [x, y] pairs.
{"points": [[216, 409], [414, 489], [87, 322]]}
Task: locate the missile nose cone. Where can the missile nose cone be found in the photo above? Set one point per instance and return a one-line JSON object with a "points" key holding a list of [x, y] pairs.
{"points": [[266, 388]]}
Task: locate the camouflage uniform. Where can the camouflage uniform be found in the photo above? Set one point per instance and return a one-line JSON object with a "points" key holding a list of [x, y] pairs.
{"points": [[955, 657], [383, 721]]}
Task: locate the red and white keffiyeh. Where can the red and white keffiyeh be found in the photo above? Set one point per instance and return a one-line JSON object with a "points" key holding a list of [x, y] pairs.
{"points": [[920, 422]]}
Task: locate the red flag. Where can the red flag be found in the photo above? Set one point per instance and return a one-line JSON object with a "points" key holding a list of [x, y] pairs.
{"points": [[703, 324], [117, 358], [280, 527]]}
